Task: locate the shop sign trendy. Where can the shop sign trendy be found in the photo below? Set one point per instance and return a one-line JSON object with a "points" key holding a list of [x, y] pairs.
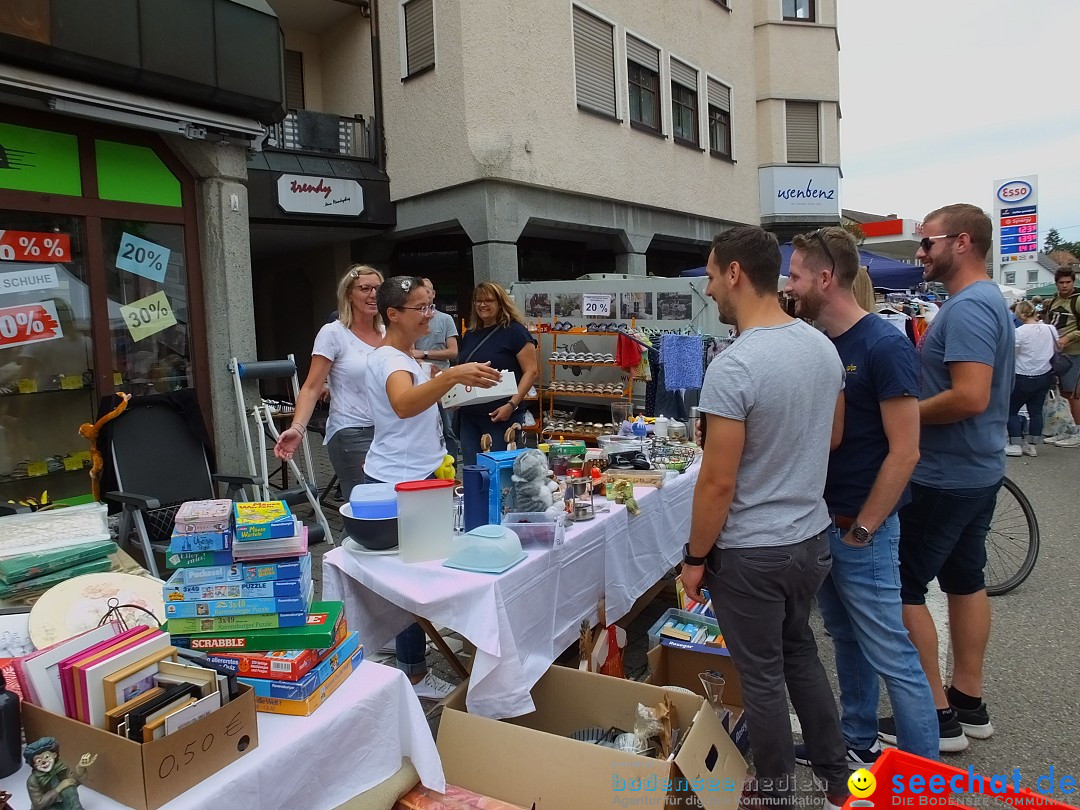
{"points": [[308, 194], [29, 323]]}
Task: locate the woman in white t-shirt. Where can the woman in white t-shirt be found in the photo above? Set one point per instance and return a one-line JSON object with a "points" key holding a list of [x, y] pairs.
{"points": [[341, 352], [1035, 344], [409, 442]]}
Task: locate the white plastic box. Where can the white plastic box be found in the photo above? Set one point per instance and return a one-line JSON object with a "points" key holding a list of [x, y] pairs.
{"points": [[537, 529], [468, 395]]}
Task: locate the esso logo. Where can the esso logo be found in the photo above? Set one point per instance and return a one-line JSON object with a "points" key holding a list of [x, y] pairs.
{"points": [[1014, 191]]}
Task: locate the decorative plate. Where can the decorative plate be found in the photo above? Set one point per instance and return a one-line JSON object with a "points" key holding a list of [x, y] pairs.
{"points": [[77, 605]]}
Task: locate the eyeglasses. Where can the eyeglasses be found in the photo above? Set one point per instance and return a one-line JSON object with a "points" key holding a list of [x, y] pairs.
{"points": [[927, 242], [426, 309], [824, 246], [365, 289], [483, 302]]}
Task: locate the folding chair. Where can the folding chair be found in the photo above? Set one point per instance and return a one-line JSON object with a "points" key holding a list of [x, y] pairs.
{"points": [[158, 463]]}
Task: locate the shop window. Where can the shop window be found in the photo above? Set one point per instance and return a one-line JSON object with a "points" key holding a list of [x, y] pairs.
{"points": [[146, 277], [719, 118], [46, 357], [594, 63], [803, 132], [643, 83], [799, 10], [684, 104], [1010, 278], [419, 18]]}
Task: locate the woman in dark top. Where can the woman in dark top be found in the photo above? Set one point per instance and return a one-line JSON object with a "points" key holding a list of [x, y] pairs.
{"points": [[497, 334]]}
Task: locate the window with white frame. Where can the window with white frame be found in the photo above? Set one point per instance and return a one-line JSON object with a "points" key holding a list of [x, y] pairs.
{"points": [[719, 117], [803, 132], [1010, 278], [684, 103], [1033, 276], [643, 83], [594, 63], [799, 10], [419, 36]]}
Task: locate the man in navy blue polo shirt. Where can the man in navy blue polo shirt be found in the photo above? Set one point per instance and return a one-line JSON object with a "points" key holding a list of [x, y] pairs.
{"points": [[865, 486]]}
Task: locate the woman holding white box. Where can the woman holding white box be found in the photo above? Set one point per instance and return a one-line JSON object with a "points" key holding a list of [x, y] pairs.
{"points": [[497, 334]]}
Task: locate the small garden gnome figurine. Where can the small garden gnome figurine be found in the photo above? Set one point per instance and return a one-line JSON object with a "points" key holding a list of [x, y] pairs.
{"points": [[52, 786]]}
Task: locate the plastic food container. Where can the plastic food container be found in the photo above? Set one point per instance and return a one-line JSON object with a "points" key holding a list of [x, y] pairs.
{"points": [[373, 501], [203, 516], [373, 534], [425, 519], [537, 529]]}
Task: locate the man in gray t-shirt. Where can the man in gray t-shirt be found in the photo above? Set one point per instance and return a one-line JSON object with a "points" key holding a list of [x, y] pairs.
{"points": [[440, 348], [774, 407]]}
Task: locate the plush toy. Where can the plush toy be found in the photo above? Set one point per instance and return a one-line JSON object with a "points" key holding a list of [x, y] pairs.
{"points": [[446, 469], [532, 487], [90, 433]]}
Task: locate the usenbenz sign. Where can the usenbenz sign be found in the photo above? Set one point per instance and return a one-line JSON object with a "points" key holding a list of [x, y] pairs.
{"points": [[309, 194]]}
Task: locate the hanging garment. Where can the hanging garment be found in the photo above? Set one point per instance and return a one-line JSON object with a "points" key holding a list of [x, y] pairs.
{"points": [[681, 357]]}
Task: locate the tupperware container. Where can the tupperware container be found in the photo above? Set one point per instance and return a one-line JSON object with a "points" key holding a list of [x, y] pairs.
{"points": [[425, 519], [194, 517], [373, 501], [373, 534], [489, 549], [538, 529]]}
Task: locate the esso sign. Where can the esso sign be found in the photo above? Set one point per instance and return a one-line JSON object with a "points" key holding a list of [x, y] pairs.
{"points": [[1014, 191]]}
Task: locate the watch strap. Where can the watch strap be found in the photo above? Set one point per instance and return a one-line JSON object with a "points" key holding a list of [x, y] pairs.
{"points": [[689, 558]]}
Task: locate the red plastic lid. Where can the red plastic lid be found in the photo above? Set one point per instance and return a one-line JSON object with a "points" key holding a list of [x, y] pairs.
{"points": [[420, 486]]}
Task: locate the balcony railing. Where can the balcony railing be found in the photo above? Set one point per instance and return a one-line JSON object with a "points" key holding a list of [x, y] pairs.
{"points": [[323, 133]]}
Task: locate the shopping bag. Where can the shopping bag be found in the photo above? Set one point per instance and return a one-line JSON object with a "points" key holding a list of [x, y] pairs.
{"points": [[1057, 418]]}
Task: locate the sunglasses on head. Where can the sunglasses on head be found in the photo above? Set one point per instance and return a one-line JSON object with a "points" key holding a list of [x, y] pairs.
{"points": [[819, 236], [927, 242]]}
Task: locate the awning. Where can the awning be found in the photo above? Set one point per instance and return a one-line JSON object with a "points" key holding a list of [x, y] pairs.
{"points": [[85, 100]]}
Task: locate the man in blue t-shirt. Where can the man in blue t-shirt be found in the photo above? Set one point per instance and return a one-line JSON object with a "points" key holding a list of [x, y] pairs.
{"points": [[865, 485], [967, 378]]}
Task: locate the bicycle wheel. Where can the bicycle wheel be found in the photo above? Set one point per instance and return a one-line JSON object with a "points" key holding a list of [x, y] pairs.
{"points": [[1012, 544]]}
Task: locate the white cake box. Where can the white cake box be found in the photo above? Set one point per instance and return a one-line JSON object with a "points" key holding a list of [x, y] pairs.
{"points": [[469, 395]]}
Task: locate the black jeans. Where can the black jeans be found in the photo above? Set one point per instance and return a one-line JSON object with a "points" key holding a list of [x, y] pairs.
{"points": [[762, 599]]}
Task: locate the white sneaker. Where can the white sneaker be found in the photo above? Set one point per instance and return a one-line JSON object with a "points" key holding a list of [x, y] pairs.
{"points": [[1069, 441], [1058, 438], [433, 688], [1029, 450], [1013, 450]]}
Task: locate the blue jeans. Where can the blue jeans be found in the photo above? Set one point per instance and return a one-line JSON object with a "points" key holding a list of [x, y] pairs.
{"points": [[860, 603], [1030, 391]]}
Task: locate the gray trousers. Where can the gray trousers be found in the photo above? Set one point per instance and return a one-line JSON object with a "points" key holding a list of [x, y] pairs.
{"points": [[762, 598], [347, 450]]}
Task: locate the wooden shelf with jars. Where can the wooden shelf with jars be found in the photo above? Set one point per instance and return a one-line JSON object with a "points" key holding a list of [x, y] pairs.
{"points": [[573, 358]]}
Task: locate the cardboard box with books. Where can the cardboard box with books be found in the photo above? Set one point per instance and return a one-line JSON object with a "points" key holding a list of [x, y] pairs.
{"points": [[532, 761]]}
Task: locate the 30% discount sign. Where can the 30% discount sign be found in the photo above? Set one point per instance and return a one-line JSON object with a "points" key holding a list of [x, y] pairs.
{"points": [[148, 316], [28, 323]]}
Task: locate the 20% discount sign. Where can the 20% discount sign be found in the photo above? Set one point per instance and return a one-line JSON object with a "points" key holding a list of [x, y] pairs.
{"points": [[28, 323], [148, 316]]}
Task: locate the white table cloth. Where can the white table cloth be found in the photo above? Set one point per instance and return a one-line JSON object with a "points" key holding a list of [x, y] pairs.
{"points": [[354, 741], [522, 619]]}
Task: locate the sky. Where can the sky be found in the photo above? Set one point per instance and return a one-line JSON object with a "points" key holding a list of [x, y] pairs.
{"points": [[940, 98]]}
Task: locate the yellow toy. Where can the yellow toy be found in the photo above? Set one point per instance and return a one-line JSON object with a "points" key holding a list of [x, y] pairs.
{"points": [[446, 469], [90, 433]]}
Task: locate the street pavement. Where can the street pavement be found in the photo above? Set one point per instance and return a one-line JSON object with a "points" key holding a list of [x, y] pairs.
{"points": [[1033, 661]]}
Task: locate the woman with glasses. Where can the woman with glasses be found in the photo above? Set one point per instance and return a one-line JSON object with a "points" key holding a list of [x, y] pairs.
{"points": [[497, 335], [409, 442], [341, 352]]}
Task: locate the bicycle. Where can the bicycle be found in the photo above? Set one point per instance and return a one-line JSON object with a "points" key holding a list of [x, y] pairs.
{"points": [[1012, 544]]}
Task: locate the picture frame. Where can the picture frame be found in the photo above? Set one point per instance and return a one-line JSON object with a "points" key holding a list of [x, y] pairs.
{"points": [[127, 683]]}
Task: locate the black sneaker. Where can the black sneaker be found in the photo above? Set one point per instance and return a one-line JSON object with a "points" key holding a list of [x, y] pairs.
{"points": [[952, 739], [856, 757], [975, 722]]}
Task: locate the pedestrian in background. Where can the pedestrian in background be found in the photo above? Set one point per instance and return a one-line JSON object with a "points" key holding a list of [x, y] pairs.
{"points": [[1034, 349], [758, 522], [1063, 313]]}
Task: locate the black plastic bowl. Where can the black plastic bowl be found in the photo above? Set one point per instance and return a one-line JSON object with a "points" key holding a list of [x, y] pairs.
{"points": [[373, 535]]}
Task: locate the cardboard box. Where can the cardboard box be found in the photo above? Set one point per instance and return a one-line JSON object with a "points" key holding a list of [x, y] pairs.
{"points": [[670, 665], [531, 761], [468, 395], [146, 776]]}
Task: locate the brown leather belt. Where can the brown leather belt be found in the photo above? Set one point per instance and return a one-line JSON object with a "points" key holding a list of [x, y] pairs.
{"points": [[843, 522]]}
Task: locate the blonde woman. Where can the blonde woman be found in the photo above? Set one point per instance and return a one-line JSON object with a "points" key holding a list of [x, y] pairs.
{"points": [[1035, 344], [863, 290], [341, 353], [497, 335]]}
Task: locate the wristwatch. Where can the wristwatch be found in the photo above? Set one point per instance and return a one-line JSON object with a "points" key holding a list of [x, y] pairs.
{"points": [[689, 558], [425, 354], [860, 534]]}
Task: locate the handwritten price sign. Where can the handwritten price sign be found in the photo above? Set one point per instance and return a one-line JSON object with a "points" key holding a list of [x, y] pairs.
{"points": [[27, 246], [143, 258], [28, 323], [148, 316]]}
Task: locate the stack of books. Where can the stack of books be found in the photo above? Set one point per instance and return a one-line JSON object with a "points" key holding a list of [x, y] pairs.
{"points": [[253, 615]]}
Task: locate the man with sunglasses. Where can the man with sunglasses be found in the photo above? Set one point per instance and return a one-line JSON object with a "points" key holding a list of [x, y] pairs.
{"points": [[865, 485], [967, 377]]}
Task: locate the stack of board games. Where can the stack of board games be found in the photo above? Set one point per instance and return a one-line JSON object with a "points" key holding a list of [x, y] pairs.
{"points": [[255, 618]]}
